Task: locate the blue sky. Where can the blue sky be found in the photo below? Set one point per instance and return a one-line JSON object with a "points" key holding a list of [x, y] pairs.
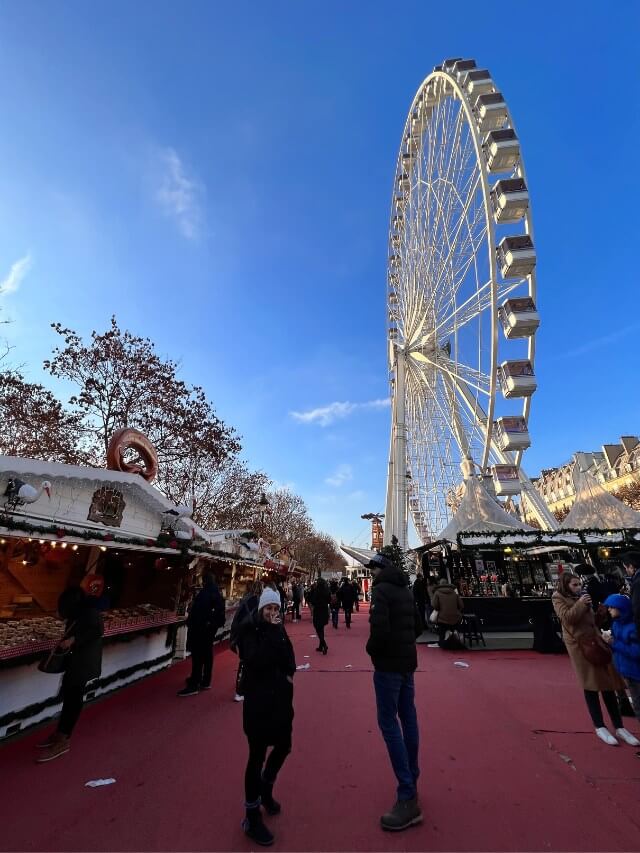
{"points": [[219, 176]]}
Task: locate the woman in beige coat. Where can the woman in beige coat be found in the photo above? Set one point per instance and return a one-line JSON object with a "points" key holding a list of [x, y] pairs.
{"points": [[576, 615]]}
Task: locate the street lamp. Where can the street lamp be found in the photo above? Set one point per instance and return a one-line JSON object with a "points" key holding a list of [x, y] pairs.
{"points": [[263, 505]]}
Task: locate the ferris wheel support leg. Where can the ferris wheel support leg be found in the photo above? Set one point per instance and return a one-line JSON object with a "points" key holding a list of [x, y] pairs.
{"points": [[389, 508], [397, 523]]}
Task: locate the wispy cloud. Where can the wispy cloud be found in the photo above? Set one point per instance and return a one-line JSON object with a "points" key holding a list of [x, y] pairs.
{"points": [[340, 476], [596, 343], [326, 415], [16, 275], [178, 194]]}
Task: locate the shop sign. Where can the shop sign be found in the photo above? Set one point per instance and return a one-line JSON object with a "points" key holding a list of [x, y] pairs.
{"points": [[107, 506]]}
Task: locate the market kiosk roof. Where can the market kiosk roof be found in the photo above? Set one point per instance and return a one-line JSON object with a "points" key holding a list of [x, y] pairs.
{"points": [[66, 510], [478, 511], [595, 508]]}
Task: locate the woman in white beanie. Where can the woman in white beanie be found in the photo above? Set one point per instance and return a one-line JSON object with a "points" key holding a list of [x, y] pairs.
{"points": [[269, 667]]}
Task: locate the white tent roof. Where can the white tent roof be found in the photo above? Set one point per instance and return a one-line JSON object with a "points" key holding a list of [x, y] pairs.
{"points": [[362, 555], [478, 511], [595, 507]]}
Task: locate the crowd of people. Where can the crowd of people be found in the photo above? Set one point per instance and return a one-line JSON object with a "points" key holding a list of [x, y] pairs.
{"points": [[600, 629]]}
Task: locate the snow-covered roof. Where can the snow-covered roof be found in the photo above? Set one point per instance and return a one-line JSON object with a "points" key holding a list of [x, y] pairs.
{"points": [[594, 507], [478, 511], [27, 469]]}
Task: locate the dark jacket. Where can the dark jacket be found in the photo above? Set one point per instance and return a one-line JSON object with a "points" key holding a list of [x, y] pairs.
{"points": [[247, 606], [206, 616], [268, 659], [419, 589], [347, 596], [296, 593], [634, 586], [625, 645], [321, 598], [394, 623], [84, 662]]}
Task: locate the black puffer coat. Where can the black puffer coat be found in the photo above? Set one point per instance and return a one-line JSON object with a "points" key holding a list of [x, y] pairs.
{"points": [[347, 596], [321, 599], [268, 658], [394, 623], [206, 616]]}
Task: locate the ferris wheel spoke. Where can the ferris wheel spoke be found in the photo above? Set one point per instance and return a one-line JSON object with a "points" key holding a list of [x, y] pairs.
{"points": [[470, 309]]}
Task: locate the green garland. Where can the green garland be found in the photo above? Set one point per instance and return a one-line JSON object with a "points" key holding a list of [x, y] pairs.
{"points": [[542, 537], [163, 540]]}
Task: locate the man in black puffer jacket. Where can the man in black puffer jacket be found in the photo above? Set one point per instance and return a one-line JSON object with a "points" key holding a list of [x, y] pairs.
{"points": [[394, 626]]}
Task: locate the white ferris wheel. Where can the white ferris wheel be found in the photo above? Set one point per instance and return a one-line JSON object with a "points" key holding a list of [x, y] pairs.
{"points": [[461, 302]]}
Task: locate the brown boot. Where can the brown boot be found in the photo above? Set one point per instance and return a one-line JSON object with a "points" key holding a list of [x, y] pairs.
{"points": [[49, 741], [60, 745]]}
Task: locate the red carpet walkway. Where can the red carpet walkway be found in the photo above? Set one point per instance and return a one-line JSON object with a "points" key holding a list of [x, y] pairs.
{"points": [[509, 762]]}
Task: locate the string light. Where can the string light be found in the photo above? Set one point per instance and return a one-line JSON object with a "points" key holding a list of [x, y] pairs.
{"points": [[64, 545], [103, 547], [74, 548]]}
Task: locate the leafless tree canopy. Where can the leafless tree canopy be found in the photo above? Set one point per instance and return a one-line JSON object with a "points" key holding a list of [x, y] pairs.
{"points": [[35, 424]]}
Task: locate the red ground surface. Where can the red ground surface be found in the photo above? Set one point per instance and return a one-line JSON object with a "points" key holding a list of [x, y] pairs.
{"points": [[509, 762]]}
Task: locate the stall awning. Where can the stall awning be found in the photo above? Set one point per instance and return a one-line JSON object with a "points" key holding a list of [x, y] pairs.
{"points": [[478, 511], [595, 508]]}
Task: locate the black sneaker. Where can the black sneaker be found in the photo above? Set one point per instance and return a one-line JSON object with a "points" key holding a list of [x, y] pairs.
{"points": [[205, 687], [254, 827], [404, 814], [188, 691]]}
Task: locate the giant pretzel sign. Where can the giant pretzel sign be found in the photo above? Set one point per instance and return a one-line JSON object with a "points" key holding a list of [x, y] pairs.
{"points": [[132, 439]]}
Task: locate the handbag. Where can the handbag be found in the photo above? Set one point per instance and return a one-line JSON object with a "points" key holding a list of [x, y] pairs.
{"points": [[55, 661], [433, 616], [595, 650]]}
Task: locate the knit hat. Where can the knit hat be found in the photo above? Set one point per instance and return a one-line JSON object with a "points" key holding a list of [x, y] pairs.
{"points": [[379, 561], [269, 596], [621, 602]]}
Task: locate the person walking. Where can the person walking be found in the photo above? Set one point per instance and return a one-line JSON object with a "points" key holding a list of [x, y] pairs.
{"points": [[584, 641], [334, 603], [419, 590], [320, 602], [631, 565], [356, 592], [206, 616], [394, 626], [448, 604], [296, 597], [83, 663], [247, 606], [625, 643], [269, 667], [346, 598]]}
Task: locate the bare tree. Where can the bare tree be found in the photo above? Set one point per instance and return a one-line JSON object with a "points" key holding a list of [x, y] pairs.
{"points": [[287, 520], [122, 381], [35, 424], [319, 553]]}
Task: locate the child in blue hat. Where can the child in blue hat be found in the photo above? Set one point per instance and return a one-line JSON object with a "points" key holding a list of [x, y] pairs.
{"points": [[625, 645]]}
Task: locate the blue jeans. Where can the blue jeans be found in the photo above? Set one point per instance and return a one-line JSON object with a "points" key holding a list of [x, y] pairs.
{"points": [[395, 694]]}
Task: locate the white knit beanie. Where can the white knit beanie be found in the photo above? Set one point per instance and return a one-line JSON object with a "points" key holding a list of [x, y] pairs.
{"points": [[269, 596]]}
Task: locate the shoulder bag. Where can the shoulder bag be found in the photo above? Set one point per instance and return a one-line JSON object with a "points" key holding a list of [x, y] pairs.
{"points": [[595, 650], [55, 661]]}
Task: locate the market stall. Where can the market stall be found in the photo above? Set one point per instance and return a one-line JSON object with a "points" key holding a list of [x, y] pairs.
{"points": [[132, 550]]}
